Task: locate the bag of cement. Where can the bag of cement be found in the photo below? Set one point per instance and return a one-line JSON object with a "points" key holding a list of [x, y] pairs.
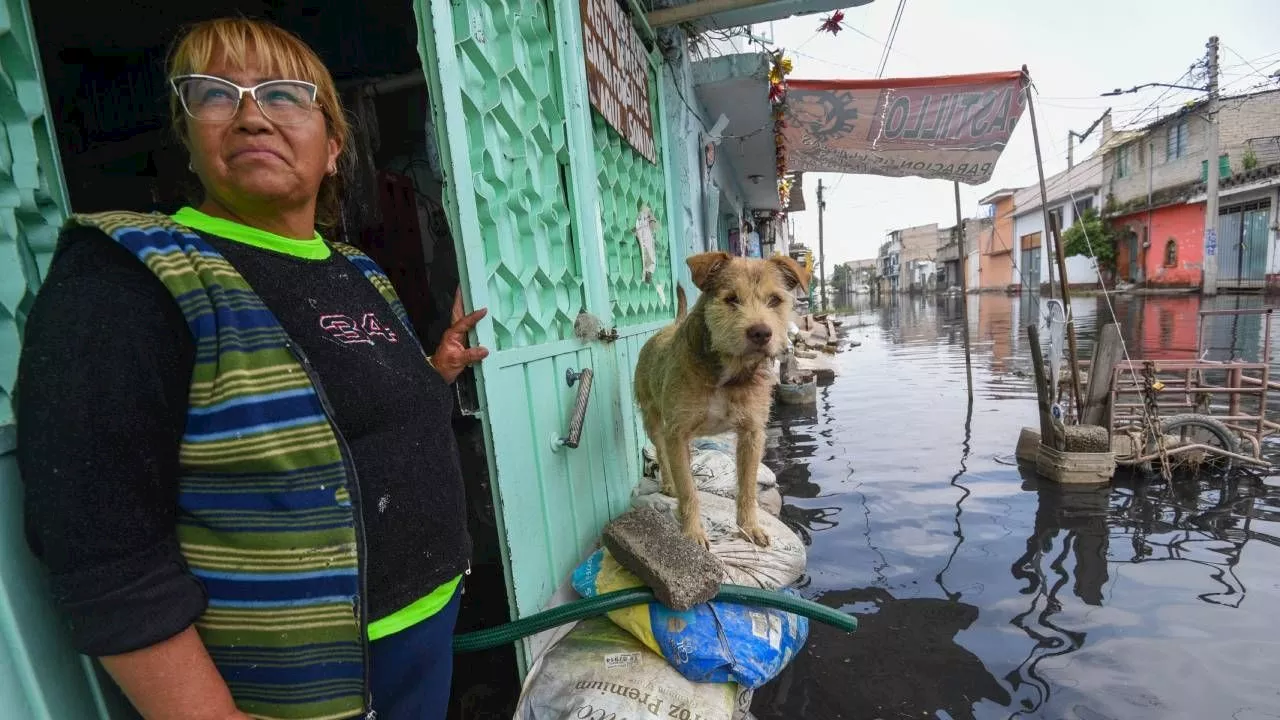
{"points": [[713, 462], [715, 642], [599, 670], [776, 566]]}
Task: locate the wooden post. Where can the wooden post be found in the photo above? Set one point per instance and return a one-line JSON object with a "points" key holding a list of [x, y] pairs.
{"points": [[1049, 433], [964, 292], [1044, 193], [1051, 232], [1107, 351], [1072, 358]]}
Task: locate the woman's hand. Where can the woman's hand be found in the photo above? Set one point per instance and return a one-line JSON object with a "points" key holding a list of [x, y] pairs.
{"points": [[453, 356]]}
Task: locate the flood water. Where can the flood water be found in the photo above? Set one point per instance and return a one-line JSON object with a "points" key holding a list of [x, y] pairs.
{"points": [[983, 592]]}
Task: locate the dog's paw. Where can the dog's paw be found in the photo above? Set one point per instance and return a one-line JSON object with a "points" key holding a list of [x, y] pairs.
{"points": [[698, 535], [756, 534]]}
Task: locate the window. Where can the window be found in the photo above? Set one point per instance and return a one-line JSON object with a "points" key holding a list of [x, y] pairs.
{"points": [[1030, 241], [1176, 141], [1082, 206], [1171, 253], [1055, 220], [1224, 168], [1123, 160]]}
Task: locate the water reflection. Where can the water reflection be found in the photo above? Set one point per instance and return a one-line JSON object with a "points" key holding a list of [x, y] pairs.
{"points": [[984, 592]]}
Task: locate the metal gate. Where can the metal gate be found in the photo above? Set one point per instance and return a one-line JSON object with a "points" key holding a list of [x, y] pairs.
{"points": [[543, 205], [1242, 244], [1030, 269]]}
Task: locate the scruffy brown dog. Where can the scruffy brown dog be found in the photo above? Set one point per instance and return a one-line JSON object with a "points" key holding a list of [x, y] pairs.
{"points": [[713, 371]]}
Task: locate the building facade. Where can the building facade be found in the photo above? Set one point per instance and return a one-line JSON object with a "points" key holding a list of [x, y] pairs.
{"points": [[996, 244], [1070, 194], [1155, 195], [890, 260]]}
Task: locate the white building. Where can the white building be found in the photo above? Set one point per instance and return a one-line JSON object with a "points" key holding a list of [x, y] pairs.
{"points": [[1070, 192]]}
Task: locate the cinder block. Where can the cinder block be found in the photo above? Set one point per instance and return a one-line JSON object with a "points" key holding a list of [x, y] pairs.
{"points": [[681, 572]]}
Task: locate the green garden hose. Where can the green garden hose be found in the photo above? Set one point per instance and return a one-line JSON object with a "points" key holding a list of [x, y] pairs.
{"points": [[618, 599]]}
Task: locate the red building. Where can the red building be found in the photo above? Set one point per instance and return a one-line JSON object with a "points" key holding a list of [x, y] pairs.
{"points": [[1161, 247]]}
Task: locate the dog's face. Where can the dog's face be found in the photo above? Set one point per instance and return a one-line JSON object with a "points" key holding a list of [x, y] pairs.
{"points": [[749, 301]]}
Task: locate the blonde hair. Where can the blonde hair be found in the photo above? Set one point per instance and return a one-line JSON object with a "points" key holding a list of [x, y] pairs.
{"points": [[279, 53]]}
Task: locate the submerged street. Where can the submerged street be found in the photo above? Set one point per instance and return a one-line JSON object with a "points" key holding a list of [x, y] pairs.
{"points": [[983, 592]]}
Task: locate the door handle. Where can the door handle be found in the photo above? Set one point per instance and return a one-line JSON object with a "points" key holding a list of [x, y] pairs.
{"points": [[582, 379]]}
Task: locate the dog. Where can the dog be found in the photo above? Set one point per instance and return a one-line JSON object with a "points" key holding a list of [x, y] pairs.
{"points": [[713, 370]]}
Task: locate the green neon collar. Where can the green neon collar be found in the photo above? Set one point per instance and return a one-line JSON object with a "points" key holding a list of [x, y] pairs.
{"points": [[313, 249]]}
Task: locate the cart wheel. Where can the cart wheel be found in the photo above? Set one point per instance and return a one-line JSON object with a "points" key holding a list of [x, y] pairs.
{"points": [[1201, 429]]}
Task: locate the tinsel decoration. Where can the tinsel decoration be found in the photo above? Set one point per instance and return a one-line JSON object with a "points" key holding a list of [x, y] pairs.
{"points": [[781, 68]]}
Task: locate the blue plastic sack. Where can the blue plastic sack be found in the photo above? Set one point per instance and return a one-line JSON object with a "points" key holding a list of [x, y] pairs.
{"points": [[712, 642]]}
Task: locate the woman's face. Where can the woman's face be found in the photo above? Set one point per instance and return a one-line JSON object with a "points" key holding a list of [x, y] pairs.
{"points": [[250, 163]]}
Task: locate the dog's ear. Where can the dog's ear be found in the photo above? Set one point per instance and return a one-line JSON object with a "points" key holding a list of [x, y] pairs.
{"points": [[792, 273], [704, 266]]}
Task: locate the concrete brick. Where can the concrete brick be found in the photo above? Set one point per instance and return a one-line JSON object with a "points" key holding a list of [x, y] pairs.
{"points": [[681, 572], [1087, 438]]}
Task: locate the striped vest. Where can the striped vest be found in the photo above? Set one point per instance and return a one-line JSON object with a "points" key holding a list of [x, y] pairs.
{"points": [[266, 520]]}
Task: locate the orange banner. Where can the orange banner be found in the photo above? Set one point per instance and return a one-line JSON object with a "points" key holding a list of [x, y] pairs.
{"points": [[951, 127]]}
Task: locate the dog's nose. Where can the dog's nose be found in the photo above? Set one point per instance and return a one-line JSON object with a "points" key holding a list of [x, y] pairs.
{"points": [[759, 333]]}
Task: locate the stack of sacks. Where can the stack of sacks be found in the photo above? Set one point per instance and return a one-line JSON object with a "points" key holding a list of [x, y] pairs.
{"points": [[598, 670], [714, 641], [714, 464]]}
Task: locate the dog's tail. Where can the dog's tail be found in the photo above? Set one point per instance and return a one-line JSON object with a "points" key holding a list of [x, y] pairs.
{"points": [[682, 303]]}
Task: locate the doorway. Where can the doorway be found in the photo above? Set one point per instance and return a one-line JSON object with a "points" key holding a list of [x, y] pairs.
{"points": [[1242, 244], [1029, 263]]}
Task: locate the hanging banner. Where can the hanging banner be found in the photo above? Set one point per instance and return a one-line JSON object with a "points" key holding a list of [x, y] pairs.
{"points": [[618, 73], [951, 127]]}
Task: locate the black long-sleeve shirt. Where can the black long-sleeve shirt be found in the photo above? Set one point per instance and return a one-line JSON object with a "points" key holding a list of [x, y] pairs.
{"points": [[101, 407]]}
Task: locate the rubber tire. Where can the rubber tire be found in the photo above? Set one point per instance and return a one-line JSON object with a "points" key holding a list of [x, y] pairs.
{"points": [[1203, 422]]}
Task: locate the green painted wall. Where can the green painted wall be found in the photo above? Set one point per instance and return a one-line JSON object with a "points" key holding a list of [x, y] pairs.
{"points": [[41, 677]]}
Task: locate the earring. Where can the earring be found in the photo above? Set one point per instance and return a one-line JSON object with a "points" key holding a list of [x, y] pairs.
{"points": [[191, 167]]}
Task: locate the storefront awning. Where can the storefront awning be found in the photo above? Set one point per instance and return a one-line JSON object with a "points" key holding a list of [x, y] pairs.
{"points": [[737, 87]]}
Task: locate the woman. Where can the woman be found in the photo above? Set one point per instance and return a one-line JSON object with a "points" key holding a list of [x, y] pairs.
{"points": [[238, 460]]}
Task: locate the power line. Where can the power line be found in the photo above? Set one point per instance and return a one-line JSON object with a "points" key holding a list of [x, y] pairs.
{"points": [[884, 58], [893, 33]]}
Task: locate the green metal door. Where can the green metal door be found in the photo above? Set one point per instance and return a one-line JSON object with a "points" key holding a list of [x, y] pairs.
{"points": [[1030, 269], [543, 204], [1242, 244], [41, 677]]}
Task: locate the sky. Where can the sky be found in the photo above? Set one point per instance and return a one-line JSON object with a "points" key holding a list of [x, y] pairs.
{"points": [[1074, 51]]}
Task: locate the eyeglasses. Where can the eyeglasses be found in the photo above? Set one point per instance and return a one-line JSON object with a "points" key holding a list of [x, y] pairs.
{"points": [[211, 99]]}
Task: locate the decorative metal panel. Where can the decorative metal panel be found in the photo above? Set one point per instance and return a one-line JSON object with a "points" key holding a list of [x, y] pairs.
{"points": [[41, 676], [627, 180], [521, 199], [32, 196], [515, 136]]}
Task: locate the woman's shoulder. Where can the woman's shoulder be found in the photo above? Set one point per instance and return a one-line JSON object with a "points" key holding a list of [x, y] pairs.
{"points": [[113, 222]]}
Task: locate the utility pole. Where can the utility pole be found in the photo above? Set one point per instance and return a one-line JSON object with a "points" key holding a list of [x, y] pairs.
{"points": [[1211, 182], [822, 269]]}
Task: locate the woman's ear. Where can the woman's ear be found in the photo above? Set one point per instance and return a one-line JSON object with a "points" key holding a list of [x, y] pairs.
{"points": [[335, 151]]}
